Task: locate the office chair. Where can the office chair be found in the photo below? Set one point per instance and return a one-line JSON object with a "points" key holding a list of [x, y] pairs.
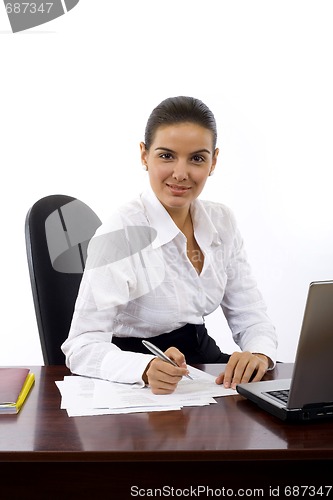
{"points": [[58, 229]]}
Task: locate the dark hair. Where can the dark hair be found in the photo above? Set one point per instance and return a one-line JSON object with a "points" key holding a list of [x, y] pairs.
{"points": [[181, 109]]}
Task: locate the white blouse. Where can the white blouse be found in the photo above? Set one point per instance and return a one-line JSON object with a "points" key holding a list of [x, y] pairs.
{"points": [[139, 282]]}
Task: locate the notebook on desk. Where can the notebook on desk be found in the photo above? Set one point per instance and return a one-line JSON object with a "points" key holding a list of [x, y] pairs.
{"points": [[308, 394]]}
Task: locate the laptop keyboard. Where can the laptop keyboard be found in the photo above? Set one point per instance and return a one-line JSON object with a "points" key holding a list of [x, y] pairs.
{"points": [[280, 395]]}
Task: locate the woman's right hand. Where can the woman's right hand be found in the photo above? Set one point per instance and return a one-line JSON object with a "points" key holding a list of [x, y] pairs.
{"points": [[162, 377]]}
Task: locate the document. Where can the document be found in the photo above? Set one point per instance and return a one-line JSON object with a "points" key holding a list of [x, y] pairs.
{"points": [[88, 396]]}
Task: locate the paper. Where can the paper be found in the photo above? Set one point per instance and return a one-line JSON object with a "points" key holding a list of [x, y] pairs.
{"points": [[87, 396]]}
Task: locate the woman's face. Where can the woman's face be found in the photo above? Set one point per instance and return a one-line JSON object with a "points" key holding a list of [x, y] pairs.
{"points": [[180, 159]]}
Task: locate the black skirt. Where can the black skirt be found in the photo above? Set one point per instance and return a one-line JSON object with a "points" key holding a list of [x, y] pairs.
{"points": [[192, 340]]}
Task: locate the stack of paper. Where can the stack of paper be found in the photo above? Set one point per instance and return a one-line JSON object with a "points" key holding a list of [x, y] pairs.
{"points": [[88, 396]]}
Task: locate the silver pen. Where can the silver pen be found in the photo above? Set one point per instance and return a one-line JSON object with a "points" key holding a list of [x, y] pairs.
{"points": [[160, 354]]}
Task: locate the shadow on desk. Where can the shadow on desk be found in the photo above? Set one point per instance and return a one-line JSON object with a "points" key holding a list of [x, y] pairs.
{"points": [[50, 436], [307, 435]]}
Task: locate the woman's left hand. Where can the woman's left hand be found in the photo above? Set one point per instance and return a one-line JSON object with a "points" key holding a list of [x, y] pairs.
{"points": [[243, 367]]}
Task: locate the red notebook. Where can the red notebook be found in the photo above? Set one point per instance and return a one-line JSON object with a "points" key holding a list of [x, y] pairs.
{"points": [[15, 383]]}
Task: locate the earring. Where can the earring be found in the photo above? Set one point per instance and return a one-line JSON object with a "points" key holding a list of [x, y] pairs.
{"points": [[211, 173], [145, 167]]}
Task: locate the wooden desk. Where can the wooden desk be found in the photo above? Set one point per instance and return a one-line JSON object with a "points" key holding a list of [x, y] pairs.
{"points": [[231, 443]]}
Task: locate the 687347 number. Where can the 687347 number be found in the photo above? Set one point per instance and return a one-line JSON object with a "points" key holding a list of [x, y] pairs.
{"points": [[29, 8], [307, 491]]}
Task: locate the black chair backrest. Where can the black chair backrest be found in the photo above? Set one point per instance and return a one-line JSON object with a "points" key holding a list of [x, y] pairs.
{"points": [[58, 229]]}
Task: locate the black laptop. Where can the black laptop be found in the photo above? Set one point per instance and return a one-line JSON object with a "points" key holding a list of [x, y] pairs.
{"points": [[308, 394]]}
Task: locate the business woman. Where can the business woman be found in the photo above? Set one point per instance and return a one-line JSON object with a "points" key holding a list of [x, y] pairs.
{"points": [[162, 263]]}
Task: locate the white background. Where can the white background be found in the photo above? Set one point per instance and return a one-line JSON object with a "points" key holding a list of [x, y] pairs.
{"points": [[75, 97]]}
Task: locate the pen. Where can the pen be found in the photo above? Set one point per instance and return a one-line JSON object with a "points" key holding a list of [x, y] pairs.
{"points": [[160, 354]]}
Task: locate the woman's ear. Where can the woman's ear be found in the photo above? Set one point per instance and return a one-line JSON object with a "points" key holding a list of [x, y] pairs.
{"points": [[214, 161], [143, 155]]}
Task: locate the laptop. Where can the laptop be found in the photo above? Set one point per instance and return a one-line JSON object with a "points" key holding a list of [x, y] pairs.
{"points": [[308, 394]]}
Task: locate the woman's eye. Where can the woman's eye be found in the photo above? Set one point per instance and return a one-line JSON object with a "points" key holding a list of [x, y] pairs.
{"points": [[166, 156], [198, 159]]}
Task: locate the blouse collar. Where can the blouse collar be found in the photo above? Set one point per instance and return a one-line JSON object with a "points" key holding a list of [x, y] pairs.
{"points": [[159, 218]]}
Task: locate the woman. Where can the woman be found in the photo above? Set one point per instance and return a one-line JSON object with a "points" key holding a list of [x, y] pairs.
{"points": [[162, 263]]}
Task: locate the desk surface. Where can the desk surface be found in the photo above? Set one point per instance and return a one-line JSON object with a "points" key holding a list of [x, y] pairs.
{"points": [[232, 429]]}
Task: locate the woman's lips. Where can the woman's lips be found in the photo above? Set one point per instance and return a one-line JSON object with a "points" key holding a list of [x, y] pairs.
{"points": [[177, 189]]}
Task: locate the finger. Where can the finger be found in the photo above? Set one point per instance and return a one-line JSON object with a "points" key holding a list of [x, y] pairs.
{"points": [[161, 383], [254, 370], [162, 388], [162, 377], [176, 355], [243, 364], [241, 367], [219, 379], [261, 370], [258, 375], [242, 373], [232, 366], [243, 376], [163, 370]]}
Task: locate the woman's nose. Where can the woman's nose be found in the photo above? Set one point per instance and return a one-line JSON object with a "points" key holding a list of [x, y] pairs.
{"points": [[180, 172]]}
